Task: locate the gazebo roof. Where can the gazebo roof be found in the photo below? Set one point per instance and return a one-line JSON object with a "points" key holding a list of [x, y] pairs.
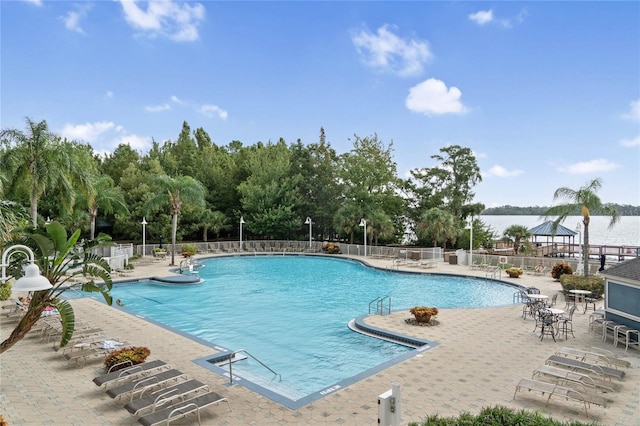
{"points": [[546, 229]]}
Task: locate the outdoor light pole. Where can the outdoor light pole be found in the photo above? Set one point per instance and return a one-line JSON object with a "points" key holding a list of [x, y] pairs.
{"points": [[241, 222], [144, 235], [363, 223], [308, 222], [471, 242], [32, 280], [579, 231]]}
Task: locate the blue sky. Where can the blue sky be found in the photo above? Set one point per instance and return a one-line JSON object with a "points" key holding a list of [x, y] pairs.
{"points": [[546, 94]]}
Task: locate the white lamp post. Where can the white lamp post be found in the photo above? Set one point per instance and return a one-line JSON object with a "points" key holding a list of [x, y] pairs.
{"points": [[241, 222], [363, 223], [144, 235], [471, 242], [308, 222], [579, 231], [32, 280]]}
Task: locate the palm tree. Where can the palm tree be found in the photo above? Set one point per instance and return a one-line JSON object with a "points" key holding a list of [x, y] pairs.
{"points": [[516, 233], [347, 218], [39, 162], [216, 221], [586, 202], [12, 215], [175, 191], [437, 224], [380, 225], [103, 195], [60, 260]]}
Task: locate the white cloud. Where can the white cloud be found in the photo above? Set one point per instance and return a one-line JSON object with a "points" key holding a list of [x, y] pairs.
{"points": [[176, 100], [104, 136], [598, 165], [34, 2], [212, 111], [88, 132], [431, 97], [158, 108], [109, 94], [482, 17], [631, 142], [140, 143], [176, 21], [73, 17], [500, 171], [388, 52], [634, 111]]}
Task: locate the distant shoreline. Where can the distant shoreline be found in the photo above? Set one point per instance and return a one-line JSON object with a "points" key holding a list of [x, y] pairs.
{"points": [[623, 210]]}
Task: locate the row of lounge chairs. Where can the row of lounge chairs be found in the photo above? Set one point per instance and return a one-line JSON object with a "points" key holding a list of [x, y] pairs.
{"points": [[88, 341], [157, 393], [265, 247], [576, 375]]}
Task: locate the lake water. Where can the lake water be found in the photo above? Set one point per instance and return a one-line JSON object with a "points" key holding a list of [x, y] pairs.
{"points": [[625, 232]]}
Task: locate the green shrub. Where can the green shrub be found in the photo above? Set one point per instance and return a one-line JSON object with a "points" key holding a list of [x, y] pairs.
{"points": [[189, 250], [592, 283], [560, 269], [497, 415], [135, 354], [5, 291]]}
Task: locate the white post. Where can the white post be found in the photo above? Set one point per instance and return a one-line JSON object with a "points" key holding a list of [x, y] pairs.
{"points": [[579, 230], [144, 235], [309, 222], [471, 243], [241, 222], [363, 223], [389, 407]]}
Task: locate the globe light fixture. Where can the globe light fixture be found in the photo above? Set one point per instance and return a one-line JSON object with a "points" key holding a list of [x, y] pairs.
{"points": [[32, 280]]}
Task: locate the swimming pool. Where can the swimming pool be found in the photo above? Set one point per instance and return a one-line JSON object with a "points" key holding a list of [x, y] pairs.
{"points": [[291, 312]]}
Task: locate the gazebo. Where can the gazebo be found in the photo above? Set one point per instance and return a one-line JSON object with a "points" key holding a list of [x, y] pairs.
{"points": [[546, 230]]}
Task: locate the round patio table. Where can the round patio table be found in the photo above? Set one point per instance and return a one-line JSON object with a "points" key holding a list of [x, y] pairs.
{"points": [[580, 297]]}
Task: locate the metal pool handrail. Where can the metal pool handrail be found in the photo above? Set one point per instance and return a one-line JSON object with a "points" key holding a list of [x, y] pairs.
{"points": [[233, 354]]}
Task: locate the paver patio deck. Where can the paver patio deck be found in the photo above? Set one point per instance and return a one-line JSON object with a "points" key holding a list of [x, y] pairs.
{"points": [[482, 355]]}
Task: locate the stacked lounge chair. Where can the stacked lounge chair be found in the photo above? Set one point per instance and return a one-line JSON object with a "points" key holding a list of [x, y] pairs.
{"points": [[581, 376]]}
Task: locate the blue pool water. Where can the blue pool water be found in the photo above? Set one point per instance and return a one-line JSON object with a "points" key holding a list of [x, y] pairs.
{"points": [[292, 313]]}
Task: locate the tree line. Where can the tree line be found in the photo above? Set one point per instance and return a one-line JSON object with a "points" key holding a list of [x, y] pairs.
{"points": [[191, 188]]}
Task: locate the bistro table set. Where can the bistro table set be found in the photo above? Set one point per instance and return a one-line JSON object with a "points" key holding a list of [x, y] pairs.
{"points": [[551, 320]]}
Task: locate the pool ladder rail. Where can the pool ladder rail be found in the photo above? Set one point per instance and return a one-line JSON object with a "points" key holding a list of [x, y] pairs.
{"points": [[380, 305], [232, 360]]}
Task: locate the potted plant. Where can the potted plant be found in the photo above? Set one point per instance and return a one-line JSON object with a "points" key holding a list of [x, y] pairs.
{"points": [[189, 250], [514, 272], [331, 248], [125, 357], [423, 313], [159, 252]]}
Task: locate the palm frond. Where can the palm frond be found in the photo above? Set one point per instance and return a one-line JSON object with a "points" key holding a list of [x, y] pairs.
{"points": [[68, 319]]}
